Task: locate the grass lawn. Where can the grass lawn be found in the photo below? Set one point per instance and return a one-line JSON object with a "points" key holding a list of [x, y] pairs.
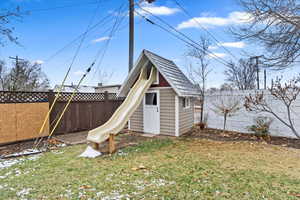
{"points": [[159, 169]]}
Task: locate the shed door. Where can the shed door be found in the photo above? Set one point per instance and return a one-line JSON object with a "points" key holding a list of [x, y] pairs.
{"points": [[151, 112]]}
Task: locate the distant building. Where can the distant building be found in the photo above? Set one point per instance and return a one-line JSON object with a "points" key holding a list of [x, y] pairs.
{"points": [[107, 88], [71, 88], [90, 89]]}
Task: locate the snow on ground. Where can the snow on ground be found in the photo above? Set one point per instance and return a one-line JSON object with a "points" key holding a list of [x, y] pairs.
{"points": [[5, 163], [22, 193], [90, 153], [26, 152]]}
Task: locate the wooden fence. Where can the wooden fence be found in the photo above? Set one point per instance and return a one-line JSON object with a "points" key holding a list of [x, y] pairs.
{"points": [[22, 113], [86, 111]]}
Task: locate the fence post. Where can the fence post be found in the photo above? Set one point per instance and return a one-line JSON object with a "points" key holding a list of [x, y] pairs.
{"points": [[51, 97], [106, 106]]}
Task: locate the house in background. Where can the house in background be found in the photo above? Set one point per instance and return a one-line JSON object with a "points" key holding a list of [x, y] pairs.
{"points": [[107, 88], [71, 88], [168, 105], [90, 89]]}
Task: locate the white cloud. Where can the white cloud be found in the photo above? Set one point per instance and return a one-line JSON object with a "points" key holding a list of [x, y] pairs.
{"points": [[156, 10], [228, 44], [38, 62], [233, 44], [101, 39], [213, 47], [79, 73], [233, 18], [217, 55]]}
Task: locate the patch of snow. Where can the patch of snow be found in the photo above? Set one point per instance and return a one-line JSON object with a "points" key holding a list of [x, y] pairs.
{"points": [[62, 145], [5, 175], [23, 192], [34, 157], [57, 152], [26, 152], [90, 153], [10, 162], [121, 153], [99, 194], [141, 185], [115, 195]]}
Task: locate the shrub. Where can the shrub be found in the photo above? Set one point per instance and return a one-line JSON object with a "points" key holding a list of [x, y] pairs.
{"points": [[261, 126]]}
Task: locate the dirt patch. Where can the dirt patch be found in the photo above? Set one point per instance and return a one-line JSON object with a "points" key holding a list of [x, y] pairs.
{"points": [[125, 140], [122, 140], [220, 135], [72, 138]]}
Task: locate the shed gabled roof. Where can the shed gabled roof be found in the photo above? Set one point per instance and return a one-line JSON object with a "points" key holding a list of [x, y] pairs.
{"points": [[168, 69]]}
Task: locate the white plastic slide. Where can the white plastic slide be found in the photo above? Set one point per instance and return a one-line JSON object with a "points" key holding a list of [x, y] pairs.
{"points": [[118, 120]]}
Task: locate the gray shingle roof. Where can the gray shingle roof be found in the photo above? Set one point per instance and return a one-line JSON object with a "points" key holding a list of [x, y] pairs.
{"points": [[169, 70]]}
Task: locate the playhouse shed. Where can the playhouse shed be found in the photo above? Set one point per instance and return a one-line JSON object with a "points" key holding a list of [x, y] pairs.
{"points": [[168, 105]]}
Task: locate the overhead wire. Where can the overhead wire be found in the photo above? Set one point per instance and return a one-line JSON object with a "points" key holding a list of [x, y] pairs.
{"points": [[180, 33], [218, 43], [37, 141], [58, 7], [187, 40], [114, 29], [76, 90], [102, 21]]}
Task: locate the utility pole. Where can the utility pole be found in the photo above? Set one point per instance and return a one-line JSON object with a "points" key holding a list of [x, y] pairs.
{"points": [[15, 79], [265, 79], [257, 69], [17, 59], [131, 34]]}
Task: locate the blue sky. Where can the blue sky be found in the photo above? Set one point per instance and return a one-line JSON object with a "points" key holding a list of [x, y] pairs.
{"points": [[44, 32]]}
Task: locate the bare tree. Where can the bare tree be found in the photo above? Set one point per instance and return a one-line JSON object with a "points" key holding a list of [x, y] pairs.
{"points": [[6, 31], [241, 75], [104, 76], [3, 74], [212, 90], [276, 25], [286, 93], [199, 73], [25, 76], [226, 87], [226, 106]]}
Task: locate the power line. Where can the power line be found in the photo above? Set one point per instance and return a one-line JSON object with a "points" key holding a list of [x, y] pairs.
{"points": [[114, 29], [102, 21], [66, 76], [189, 42], [182, 34], [85, 33], [205, 29], [59, 7]]}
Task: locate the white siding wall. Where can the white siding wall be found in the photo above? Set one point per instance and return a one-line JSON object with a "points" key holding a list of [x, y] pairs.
{"points": [[243, 119], [136, 120], [186, 117], [167, 112]]}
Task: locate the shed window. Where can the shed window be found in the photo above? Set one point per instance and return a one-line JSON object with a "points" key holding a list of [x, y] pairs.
{"points": [[186, 102], [151, 99]]}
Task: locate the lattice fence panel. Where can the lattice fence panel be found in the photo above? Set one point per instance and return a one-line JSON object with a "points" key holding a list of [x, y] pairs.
{"points": [[32, 97], [23, 97], [81, 97], [113, 96]]}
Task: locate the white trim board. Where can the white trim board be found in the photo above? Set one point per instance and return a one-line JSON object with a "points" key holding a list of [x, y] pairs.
{"points": [[176, 116], [159, 88]]}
